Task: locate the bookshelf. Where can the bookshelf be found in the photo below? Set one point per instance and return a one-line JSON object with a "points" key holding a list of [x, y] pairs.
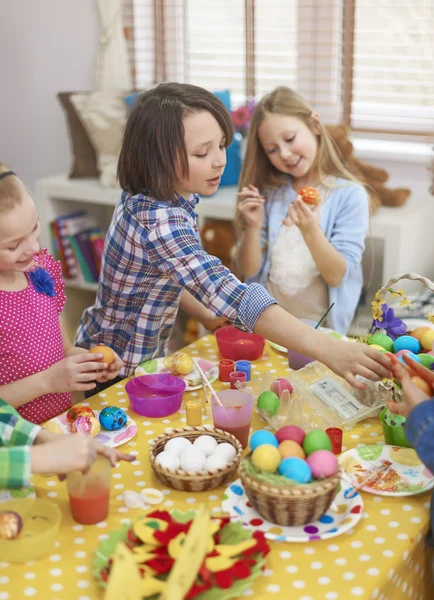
{"points": [[400, 241]]}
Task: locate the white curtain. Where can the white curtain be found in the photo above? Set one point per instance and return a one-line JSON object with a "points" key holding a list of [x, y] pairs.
{"points": [[112, 69]]}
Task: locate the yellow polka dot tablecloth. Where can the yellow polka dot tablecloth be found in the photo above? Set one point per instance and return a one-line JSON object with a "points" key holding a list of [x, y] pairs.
{"points": [[383, 557]]}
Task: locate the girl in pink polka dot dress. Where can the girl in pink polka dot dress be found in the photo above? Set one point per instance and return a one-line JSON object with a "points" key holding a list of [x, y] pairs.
{"points": [[39, 367]]}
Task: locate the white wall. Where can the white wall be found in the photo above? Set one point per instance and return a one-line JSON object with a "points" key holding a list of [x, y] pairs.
{"points": [[47, 47]]}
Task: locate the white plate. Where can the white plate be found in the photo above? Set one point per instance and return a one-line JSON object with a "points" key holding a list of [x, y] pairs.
{"points": [[334, 522], [109, 438], [28, 492], [193, 380], [323, 329], [407, 475]]}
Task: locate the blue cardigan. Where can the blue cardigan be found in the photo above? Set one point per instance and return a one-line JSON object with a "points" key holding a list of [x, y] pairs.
{"points": [[345, 223]]}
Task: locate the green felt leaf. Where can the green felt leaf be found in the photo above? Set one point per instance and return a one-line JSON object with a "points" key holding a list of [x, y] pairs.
{"points": [[234, 533]]}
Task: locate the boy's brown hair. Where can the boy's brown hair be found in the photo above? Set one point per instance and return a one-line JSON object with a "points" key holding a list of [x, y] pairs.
{"points": [[153, 143], [11, 189]]}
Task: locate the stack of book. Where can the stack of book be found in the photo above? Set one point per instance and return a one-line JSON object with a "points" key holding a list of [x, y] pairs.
{"points": [[78, 243]]}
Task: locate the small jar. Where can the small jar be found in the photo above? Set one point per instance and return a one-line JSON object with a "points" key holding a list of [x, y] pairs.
{"points": [[226, 367], [244, 366], [236, 377], [193, 412]]}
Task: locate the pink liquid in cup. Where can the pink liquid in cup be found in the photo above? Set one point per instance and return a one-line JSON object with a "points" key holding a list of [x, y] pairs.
{"points": [[235, 414]]}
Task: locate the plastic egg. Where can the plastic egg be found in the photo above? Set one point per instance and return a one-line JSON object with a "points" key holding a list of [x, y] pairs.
{"points": [[215, 461], [410, 355], [323, 464], [406, 342], [168, 460], [177, 445], [192, 460], [266, 458], [226, 450], [262, 436], [317, 439], [290, 448], [281, 384], [269, 401], [113, 418], [206, 443], [291, 432], [426, 359], [427, 339], [296, 469], [382, 340], [79, 410], [422, 385], [419, 331]]}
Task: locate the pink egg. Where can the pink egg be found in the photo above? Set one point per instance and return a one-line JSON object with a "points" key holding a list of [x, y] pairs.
{"points": [[281, 384], [291, 432], [323, 464], [401, 352]]}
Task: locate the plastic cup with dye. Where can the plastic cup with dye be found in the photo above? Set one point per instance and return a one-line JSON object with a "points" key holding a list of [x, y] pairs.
{"points": [[335, 435], [295, 359], [235, 414], [89, 493]]}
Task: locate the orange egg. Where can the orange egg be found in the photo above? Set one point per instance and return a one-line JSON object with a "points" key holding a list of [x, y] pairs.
{"points": [[289, 448], [422, 385], [418, 332], [309, 195], [108, 354]]}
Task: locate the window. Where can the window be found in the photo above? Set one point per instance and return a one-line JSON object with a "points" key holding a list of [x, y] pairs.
{"points": [[368, 63]]}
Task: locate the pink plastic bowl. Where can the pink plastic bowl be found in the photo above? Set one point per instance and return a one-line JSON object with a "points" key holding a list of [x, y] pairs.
{"points": [[239, 345], [155, 395]]}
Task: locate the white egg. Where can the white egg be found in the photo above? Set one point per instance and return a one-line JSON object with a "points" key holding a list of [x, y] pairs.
{"points": [[206, 443], [192, 460], [177, 445], [167, 460], [226, 450], [215, 461]]}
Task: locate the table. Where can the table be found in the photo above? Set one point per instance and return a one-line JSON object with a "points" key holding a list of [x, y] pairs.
{"points": [[383, 557]]}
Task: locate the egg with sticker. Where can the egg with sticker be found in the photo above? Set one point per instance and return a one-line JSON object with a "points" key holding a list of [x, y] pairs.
{"points": [[112, 418]]}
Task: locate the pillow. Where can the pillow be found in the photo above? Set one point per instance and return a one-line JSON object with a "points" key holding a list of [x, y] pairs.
{"points": [[103, 115], [84, 162]]}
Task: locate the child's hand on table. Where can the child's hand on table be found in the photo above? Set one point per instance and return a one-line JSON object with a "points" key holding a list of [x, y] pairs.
{"points": [[112, 454], [412, 395]]}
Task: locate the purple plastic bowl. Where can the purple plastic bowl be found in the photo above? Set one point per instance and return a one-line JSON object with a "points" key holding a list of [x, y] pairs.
{"points": [[155, 395]]}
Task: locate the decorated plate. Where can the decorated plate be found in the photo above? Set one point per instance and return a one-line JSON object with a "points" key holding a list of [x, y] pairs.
{"points": [[193, 380], [330, 332], [343, 515], [406, 475], [17, 494], [60, 424]]}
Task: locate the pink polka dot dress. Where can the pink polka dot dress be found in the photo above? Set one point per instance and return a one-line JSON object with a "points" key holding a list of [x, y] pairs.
{"points": [[30, 335]]}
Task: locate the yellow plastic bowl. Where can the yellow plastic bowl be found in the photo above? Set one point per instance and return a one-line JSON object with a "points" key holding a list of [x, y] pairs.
{"points": [[41, 522]]}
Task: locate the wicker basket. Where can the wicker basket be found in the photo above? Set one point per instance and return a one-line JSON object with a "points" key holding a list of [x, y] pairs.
{"points": [[290, 505], [203, 480], [388, 390]]}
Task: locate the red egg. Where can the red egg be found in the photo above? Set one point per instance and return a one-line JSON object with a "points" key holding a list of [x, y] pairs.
{"points": [[281, 384], [291, 432]]}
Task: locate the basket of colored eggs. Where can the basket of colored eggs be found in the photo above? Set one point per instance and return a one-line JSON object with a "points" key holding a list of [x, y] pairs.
{"points": [[195, 459], [390, 334], [290, 477]]}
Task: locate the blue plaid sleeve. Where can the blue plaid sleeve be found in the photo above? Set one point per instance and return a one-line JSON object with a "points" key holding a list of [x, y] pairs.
{"points": [[174, 248], [419, 430]]}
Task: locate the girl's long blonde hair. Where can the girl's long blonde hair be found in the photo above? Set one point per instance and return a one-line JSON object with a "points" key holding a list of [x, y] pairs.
{"points": [[258, 169]]}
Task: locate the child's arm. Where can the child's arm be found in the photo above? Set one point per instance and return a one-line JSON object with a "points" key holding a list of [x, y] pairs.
{"points": [[199, 312], [251, 210]]}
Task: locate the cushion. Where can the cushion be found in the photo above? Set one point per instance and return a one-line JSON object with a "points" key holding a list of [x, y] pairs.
{"points": [[103, 115], [84, 163]]}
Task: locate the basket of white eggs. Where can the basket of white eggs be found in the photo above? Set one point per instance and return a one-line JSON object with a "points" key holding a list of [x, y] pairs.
{"points": [[195, 459]]}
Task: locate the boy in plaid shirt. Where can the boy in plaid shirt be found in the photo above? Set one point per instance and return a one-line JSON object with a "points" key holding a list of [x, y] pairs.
{"points": [[26, 448]]}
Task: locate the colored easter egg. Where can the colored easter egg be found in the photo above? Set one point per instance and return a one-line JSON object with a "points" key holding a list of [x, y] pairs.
{"points": [[78, 410], [323, 464], [291, 432], [296, 469], [87, 425], [382, 340], [113, 418], [309, 195], [406, 342], [411, 355], [377, 347], [108, 354], [281, 384], [427, 339], [422, 385], [262, 436], [290, 448], [269, 401], [426, 359], [266, 457], [10, 525], [401, 352], [317, 439], [419, 331]]}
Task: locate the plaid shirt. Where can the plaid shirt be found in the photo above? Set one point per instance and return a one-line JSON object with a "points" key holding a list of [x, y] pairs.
{"points": [[17, 435], [152, 251]]}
